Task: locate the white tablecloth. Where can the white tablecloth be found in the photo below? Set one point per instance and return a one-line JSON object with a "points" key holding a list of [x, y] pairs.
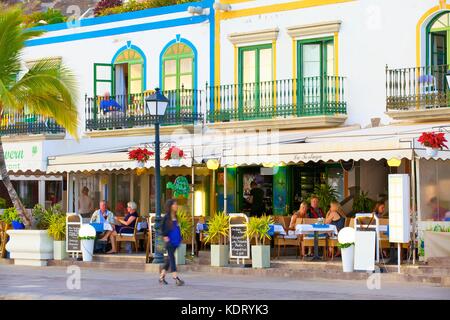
{"points": [[308, 228], [278, 228]]}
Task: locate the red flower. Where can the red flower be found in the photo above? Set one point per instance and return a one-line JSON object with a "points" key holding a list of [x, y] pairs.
{"points": [[140, 154], [174, 153], [433, 140]]}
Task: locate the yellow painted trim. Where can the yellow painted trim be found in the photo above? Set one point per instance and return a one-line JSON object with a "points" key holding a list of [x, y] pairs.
{"points": [[336, 63], [260, 10], [236, 76], [217, 61], [279, 7], [419, 25], [274, 72]]}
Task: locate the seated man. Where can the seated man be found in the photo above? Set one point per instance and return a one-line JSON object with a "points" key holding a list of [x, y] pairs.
{"points": [[110, 106], [103, 215]]}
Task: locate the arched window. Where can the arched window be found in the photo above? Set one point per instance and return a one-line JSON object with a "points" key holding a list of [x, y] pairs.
{"points": [[438, 31], [178, 67], [129, 72], [123, 76]]}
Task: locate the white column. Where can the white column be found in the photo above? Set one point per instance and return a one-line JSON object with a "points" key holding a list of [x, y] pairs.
{"points": [[41, 192], [69, 193], [77, 192], [132, 186]]}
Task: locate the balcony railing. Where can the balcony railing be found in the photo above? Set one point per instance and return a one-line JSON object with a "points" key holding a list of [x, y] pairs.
{"points": [[129, 111], [309, 96], [418, 88], [24, 124]]}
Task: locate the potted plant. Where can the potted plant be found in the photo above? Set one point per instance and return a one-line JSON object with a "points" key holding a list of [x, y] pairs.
{"points": [[34, 247], [346, 242], [57, 230], [87, 236], [11, 217], [362, 203], [174, 155], [185, 224], [258, 229], [217, 236], [433, 142], [326, 195], [140, 155]]}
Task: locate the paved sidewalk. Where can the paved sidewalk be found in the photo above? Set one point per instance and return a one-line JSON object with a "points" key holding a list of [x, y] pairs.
{"points": [[18, 282]]}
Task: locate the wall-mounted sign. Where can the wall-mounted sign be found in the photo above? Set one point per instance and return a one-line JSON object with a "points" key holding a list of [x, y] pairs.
{"points": [[23, 156], [73, 225], [399, 208], [180, 187], [239, 242]]}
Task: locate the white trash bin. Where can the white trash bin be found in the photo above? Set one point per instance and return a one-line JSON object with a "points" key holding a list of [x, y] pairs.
{"points": [[87, 249]]}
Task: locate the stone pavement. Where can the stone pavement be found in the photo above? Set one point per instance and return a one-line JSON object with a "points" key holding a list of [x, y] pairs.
{"points": [[18, 282]]}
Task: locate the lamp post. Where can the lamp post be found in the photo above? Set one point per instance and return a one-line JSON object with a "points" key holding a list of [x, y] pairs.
{"points": [[156, 106]]}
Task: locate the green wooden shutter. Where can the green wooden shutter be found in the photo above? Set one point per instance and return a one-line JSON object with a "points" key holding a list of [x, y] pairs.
{"points": [[103, 79]]}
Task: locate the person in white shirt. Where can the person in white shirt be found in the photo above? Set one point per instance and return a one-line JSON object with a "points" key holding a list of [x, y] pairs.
{"points": [[85, 204]]}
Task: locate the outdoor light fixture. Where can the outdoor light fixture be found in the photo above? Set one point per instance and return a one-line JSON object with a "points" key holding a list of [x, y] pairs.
{"points": [[222, 7], [156, 103], [212, 164], [195, 10], [448, 78], [394, 162]]}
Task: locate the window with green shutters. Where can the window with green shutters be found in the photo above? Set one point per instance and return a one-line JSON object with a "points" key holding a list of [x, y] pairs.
{"points": [[255, 79], [178, 67], [315, 75]]}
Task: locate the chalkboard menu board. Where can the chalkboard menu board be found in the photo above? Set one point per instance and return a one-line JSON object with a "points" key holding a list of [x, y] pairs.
{"points": [[73, 224], [239, 243]]}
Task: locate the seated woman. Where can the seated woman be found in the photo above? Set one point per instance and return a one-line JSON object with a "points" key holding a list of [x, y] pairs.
{"points": [[301, 213], [335, 216], [379, 210], [124, 225]]}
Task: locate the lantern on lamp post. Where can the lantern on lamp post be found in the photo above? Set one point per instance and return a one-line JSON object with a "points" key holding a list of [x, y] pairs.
{"points": [[156, 105]]}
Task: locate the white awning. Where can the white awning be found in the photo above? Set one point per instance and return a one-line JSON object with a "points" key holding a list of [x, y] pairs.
{"points": [[105, 161]]}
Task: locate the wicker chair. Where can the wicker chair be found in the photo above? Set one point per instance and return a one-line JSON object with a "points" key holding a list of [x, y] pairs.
{"points": [[286, 240], [131, 237]]}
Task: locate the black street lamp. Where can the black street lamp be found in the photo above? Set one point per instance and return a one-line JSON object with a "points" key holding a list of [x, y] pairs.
{"points": [[156, 106]]}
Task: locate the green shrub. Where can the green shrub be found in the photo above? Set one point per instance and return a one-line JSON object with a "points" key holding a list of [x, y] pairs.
{"points": [[326, 195], [57, 226], [185, 224], [10, 215], [3, 203], [362, 203], [51, 16], [218, 229], [258, 229], [132, 5], [43, 216]]}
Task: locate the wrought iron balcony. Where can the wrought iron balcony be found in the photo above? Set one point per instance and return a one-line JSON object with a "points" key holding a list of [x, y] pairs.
{"points": [[129, 111], [309, 96], [28, 124], [417, 89]]}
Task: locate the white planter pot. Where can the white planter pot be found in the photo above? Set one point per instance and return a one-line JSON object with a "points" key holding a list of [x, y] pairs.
{"points": [[140, 164], [261, 256], [180, 254], [219, 255], [30, 247], [174, 162], [348, 257], [430, 152], [87, 249], [59, 250]]}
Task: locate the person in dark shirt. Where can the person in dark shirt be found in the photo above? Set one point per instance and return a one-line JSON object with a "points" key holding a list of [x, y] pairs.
{"points": [[314, 211], [171, 233], [256, 200]]}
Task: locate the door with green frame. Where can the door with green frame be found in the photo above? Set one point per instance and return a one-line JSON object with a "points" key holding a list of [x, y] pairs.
{"points": [[255, 81], [123, 79], [433, 76], [315, 75], [178, 74]]}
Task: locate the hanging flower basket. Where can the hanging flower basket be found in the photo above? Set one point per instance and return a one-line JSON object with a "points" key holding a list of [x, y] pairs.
{"points": [[433, 142], [174, 156], [140, 155]]}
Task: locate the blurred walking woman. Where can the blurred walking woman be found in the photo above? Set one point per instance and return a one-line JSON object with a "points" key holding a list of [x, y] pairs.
{"points": [[172, 237]]}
